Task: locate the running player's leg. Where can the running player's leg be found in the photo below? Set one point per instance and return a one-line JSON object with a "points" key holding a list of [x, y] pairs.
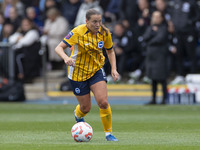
{"points": [[83, 107], [82, 92], [99, 90]]}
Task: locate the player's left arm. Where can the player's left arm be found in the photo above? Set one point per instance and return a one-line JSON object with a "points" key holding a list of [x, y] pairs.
{"points": [[111, 56], [112, 60]]}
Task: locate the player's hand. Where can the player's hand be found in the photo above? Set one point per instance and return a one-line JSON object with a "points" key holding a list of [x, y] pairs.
{"points": [[115, 75], [70, 62]]}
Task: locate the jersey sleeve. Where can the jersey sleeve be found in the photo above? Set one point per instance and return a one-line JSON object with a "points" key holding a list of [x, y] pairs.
{"points": [[71, 38], [108, 43]]}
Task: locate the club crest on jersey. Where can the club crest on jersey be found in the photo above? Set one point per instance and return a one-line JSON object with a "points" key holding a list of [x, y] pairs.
{"points": [[69, 35], [100, 44], [77, 90]]}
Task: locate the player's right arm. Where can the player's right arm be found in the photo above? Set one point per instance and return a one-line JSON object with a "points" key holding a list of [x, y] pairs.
{"points": [[60, 51]]}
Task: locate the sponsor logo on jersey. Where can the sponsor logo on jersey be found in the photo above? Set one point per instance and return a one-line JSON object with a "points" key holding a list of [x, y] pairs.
{"points": [[69, 35]]}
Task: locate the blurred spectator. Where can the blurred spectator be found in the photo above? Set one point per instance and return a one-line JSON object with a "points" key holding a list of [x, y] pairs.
{"points": [[69, 10], [128, 11], [172, 47], [123, 46], [2, 20], [48, 5], [7, 31], [31, 14], [27, 45], [104, 4], [1, 2], [144, 12], [20, 8], [161, 5], [140, 26], [87, 4], [184, 16], [30, 3], [112, 11], [14, 18], [7, 4], [156, 37], [42, 5], [136, 53], [54, 22]]}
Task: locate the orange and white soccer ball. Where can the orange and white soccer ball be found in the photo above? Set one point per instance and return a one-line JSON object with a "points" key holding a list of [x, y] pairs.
{"points": [[82, 132]]}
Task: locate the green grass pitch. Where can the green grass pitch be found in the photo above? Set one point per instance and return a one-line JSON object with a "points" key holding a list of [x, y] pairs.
{"points": [[47, 127]]}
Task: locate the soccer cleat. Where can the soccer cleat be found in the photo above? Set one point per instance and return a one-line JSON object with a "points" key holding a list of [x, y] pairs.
{"points": [[78, 119], [111, 137]]}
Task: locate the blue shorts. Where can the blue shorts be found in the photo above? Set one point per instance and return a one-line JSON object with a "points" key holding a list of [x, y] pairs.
{"points": [[83, 87]]}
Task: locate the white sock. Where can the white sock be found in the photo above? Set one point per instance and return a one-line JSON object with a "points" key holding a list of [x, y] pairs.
{"points": [[107, 133]]}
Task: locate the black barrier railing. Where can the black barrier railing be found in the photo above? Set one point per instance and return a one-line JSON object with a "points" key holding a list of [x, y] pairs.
{"points": [[42, 52], [7, 65]]}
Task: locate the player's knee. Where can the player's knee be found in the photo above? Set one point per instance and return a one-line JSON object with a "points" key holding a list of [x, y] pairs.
{"points": [[85, 109], [103, 104]]}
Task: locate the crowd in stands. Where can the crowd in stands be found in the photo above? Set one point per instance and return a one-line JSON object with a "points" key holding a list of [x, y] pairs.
{"points": [[146, 49]]}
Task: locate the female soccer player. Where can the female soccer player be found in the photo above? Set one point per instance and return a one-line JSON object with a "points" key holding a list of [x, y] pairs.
{"points": [[85, 67]]}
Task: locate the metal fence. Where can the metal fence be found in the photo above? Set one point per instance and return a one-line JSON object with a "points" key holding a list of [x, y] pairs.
{"points": [[7, 65]]}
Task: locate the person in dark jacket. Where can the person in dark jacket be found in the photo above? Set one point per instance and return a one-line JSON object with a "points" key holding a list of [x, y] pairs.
{"points": [[69, 10], [14, 19], [185, 14], [143, 21], [124, 48], [26, 45], [128, 11], [156, 38]]}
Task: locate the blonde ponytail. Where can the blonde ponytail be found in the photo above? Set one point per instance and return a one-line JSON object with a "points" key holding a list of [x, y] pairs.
{"points": [[103, 28]]}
